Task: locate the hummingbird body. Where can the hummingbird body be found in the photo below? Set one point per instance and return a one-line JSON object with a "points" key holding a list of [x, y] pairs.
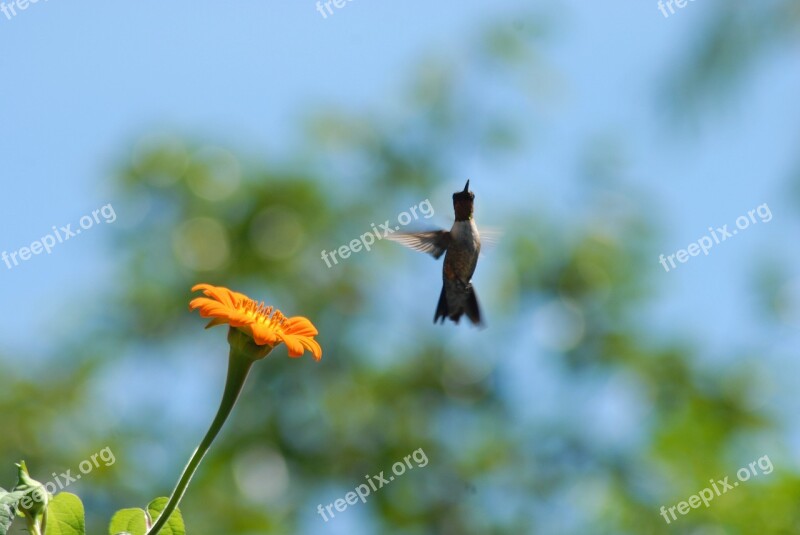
{"points": [[462, 245]]}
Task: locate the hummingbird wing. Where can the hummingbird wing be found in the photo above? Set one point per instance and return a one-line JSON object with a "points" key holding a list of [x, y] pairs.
{"points": [[433, 242], [490, 238]]}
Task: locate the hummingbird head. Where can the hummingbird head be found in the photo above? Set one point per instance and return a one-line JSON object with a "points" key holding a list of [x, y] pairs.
{"points": [[463, 203]]}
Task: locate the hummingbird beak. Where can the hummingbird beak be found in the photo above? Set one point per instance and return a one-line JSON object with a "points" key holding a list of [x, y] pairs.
{"points": [[466, 188]]}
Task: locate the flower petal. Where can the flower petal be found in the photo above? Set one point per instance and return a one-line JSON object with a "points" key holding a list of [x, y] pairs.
{"points": [[216, 321], [313, 346], [214, 309], [263, 335], [292, 344], [300, 326], [218, 293], [206, 304], [261, 323]]}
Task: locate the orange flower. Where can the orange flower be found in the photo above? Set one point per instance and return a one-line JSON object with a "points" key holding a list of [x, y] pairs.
{"points": [[265, 326]]}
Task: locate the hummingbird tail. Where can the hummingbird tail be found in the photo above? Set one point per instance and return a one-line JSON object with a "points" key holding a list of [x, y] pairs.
{"points": [[441, 308], [472, 309], [464, 302]]}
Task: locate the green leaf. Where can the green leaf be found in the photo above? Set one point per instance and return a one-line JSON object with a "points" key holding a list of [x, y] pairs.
{"points": [[65, 516], [130, 521], [6, 512], [174, 525], [8, 508]]}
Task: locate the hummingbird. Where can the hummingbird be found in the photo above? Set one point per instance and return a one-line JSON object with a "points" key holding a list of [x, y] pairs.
{"points": [[461, 246]]}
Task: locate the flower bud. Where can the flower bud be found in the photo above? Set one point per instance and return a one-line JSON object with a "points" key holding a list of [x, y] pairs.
{"points": [[33, 502]]}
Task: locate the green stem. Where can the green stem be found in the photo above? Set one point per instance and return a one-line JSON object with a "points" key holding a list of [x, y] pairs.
{"points": [[238, 367], [34, 528]]}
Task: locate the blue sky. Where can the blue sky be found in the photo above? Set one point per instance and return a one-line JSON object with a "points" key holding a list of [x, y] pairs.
{"points": [[85, 81]]}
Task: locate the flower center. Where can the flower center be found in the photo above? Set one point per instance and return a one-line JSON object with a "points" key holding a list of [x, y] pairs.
{"points": [[262, 313]]}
